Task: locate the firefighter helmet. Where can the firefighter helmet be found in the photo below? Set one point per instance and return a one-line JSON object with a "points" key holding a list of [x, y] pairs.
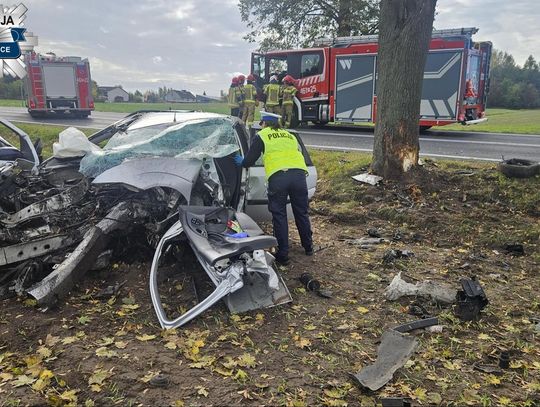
{"points": [[234, 80], [241, 79], [288, 79], [273, 79], [250, 77]]}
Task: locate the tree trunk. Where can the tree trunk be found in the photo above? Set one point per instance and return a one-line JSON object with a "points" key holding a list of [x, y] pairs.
{"points": [[405, 33]]}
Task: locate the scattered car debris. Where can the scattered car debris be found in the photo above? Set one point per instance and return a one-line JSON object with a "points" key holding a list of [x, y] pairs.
{"points": [[393, 352], [435, 329], [418, 324], [159, 380], [110, 290], [373, 232], [514, 248], [471, 299], [486, 368], [368, 178], [393, 254], [366, 242], [400, 288], [396, 402], [504, 360], [314, 285]]}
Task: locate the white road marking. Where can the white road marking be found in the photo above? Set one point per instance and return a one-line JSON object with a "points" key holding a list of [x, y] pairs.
{"points": [[369, 150]]}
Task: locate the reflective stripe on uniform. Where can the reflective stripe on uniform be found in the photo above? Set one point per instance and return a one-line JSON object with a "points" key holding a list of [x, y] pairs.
{"points": [[288, 94], [231, 98], [249, 93], [272, 92]]}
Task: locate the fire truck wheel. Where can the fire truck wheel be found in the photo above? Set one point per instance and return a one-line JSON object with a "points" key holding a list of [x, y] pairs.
{"points": [[320, 124], [424, 128], [519, 168]]}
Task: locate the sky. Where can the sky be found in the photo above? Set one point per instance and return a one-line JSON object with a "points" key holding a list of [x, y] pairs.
{"points": [[198, 45]]}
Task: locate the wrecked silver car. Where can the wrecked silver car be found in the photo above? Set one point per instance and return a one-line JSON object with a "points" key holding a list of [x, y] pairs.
{"points": [[166, 175]]}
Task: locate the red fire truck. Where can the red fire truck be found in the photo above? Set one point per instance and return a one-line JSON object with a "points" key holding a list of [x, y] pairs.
{"points": [[58, 85], [337, 80]]}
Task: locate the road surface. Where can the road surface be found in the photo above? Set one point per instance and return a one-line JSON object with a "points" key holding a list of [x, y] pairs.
{"points": [[440, 143]]}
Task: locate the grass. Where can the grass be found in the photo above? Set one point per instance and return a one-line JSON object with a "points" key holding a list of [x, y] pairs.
{"points": [[526, 121], [504, 121]]}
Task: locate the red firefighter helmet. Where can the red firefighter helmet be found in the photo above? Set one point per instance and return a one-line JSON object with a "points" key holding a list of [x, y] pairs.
{"points": [[241, 79], [234, 80], [288, 79], [250, 77]]}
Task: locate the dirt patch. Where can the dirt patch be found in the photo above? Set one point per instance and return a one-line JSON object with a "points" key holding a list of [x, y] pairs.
{"points": [[93, 351]]}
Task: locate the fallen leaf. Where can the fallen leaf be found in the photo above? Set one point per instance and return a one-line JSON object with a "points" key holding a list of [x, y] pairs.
{"points": [[69, 339], [104, 352], [201, 390], [22, 380], [51, 340], [44, 352], [362, 310], [145, 337], [120, 344], [241, 375], [302, 343], [246, 360]]}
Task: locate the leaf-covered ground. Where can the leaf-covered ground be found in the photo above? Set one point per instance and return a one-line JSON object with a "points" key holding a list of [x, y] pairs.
{"points": [[456, 219]]}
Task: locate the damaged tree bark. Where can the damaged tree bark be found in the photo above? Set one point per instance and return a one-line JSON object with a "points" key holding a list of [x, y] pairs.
{"points": [[405, 32]]}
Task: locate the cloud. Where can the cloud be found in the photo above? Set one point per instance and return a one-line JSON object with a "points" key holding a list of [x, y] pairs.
{"points": [[157, 59]]}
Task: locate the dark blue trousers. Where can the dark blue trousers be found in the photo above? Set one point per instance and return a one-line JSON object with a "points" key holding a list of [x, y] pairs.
{"points": [[289, 184]]}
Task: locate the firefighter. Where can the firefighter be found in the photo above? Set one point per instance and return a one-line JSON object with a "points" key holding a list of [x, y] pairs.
{"points": [[241, 95], [288, 91], [232, 98], [250, 101], [286, 173], [272, 93]]}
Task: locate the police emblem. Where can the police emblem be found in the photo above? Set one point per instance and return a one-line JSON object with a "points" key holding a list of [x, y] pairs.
{"points": [[14, 40]]}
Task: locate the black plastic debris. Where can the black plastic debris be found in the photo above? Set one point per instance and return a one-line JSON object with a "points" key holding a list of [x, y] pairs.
{"points": [[514, 248], [159, 381], [504, 360], [396, 402], [373, 232], [393, 254], [314, 285], [421, 323], [470, 300]]}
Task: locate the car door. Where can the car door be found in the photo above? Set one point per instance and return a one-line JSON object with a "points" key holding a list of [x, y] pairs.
{"points": [[257, 194]]}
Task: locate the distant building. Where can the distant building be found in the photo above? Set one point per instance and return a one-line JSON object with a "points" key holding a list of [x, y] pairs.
{"points": [[207, 99], [112, 94], [180, 96]]}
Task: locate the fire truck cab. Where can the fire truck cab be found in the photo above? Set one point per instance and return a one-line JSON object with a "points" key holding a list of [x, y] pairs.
{"points": [[337, 79]]}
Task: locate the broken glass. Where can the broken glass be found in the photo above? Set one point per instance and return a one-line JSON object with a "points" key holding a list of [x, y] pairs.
{"points": [[200, 138]]}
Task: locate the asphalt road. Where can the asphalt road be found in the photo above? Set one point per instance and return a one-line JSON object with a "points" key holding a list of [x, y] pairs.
{"points": [[440, 143]]}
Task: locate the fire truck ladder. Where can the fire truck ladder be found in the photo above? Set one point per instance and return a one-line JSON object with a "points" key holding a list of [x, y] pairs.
{"points": [[359, 39], [37, 85]]}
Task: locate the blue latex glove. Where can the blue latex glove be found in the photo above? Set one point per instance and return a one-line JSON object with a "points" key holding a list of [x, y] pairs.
{"points": [[238, 159]]}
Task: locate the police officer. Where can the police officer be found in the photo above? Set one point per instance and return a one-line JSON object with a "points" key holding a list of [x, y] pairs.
{"points": [[286, 173]]}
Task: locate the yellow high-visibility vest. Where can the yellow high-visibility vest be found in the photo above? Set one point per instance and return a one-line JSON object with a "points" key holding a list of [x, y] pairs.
{"points": [[288, 94], [232, 97], [281, 151], [249, 93], [272, 92]]}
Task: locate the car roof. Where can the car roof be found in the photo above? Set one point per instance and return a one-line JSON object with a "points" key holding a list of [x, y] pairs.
{"points": [[172, 116]]}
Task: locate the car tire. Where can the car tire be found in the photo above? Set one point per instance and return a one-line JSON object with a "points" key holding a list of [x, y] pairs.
{"points": [[519, 168]]}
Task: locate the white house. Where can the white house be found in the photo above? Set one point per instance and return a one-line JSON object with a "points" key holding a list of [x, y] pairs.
{"points": [[180, 96], [113, 94]]}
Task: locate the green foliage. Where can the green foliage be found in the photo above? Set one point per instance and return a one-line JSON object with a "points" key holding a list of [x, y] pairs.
{"points": [[290, 23], [512, 86], [10, 88]]}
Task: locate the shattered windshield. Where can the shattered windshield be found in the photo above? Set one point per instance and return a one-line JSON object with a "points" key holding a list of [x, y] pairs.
{"points": [[199, 138]]}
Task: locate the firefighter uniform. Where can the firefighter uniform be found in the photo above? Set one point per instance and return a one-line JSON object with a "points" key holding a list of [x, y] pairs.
{"points": [[250, 94], [232, 99], [286, 172], [288, 96], [240, 98], [272, 91]]}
